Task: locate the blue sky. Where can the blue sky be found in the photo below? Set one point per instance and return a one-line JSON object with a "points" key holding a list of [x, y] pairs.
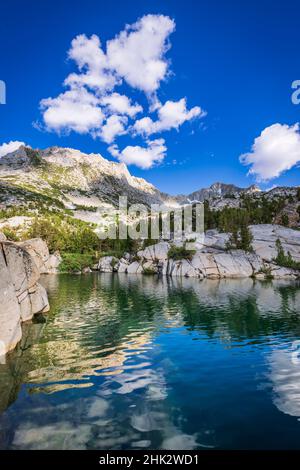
{"points": [[234, 60]]}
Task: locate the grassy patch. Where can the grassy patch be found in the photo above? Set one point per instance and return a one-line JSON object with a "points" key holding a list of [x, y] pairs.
{"points": [[10, 234]]}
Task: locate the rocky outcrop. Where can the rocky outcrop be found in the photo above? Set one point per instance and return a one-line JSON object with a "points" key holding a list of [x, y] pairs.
{"points": [[21, 296], [213, 260], [264, 241], [37, 248]]}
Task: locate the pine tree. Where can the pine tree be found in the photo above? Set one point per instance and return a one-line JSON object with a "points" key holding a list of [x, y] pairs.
{"points": [[280, 258], [245, 238], [285, 220]]}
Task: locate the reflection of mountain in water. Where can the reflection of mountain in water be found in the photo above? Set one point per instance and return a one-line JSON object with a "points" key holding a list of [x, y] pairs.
{"points": [[103, 337]]}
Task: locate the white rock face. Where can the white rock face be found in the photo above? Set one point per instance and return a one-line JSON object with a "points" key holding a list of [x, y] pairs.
{"points": [[215, 239], [233, 265], [158, 252], [10, 313], [123, 265], [206, 264], [107, 264], [212, 261], [278, 272], [38, 249], [135, 268], [264, 241], [183, 268], [21, 296], [22, 267], [51, 266]]}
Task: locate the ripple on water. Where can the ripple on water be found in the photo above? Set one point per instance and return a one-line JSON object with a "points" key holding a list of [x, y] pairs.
{"points": [[137, 362]]}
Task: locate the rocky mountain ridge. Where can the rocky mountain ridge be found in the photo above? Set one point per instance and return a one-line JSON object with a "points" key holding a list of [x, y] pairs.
{"points": [[220, 190], [67, 179]]}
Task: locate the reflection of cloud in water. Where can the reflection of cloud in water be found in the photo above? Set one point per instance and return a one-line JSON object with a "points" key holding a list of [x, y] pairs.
{"points": [[285, 377], [62, 435], [112, 339]]}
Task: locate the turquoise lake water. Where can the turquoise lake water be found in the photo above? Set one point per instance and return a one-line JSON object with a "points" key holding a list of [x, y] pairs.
{"points": [[137, 362]]}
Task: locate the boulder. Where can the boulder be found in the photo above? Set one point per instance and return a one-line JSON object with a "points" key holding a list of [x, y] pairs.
{"points": [[21, 265], [51, 266], [20, 294], [150, 267], [135, 268], [38, 250], [213, 261], [39, 300], [123, 265], [107, 264], [10, 313], [87, 270], [158, 252], [25, 306], [2, 237]]}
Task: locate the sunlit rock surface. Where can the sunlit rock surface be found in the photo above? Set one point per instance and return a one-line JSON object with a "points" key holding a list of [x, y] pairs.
{"points": [[213, 260], [21, 296]]}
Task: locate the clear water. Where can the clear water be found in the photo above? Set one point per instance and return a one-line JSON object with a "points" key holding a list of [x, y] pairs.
{"points": [[131, 362]]}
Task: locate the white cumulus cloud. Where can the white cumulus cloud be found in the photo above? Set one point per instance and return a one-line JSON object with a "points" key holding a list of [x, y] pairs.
{"points": [[143, 157], [170, 116], [276, 150], [75, 110], [92, 62], [138, 53], [114, 126], [9, 147], [121, 104], [90, 104]]}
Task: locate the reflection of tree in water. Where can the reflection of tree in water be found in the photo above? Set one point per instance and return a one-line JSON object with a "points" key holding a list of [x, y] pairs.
{"points": [[99, 324]]}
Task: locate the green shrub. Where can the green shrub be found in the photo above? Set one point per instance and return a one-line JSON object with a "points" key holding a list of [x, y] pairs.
{"points": [[10, 234], [267, 271], [285, 220], [283, 259], [180, 252], [74, 262], [64, 234], [149, 271]]}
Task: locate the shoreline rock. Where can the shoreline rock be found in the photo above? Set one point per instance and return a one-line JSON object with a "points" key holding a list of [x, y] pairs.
{"points": [[212, 260], [21, 296]]}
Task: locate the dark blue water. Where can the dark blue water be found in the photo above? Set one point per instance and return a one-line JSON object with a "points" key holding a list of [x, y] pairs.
{"points": [[130, 362]]}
